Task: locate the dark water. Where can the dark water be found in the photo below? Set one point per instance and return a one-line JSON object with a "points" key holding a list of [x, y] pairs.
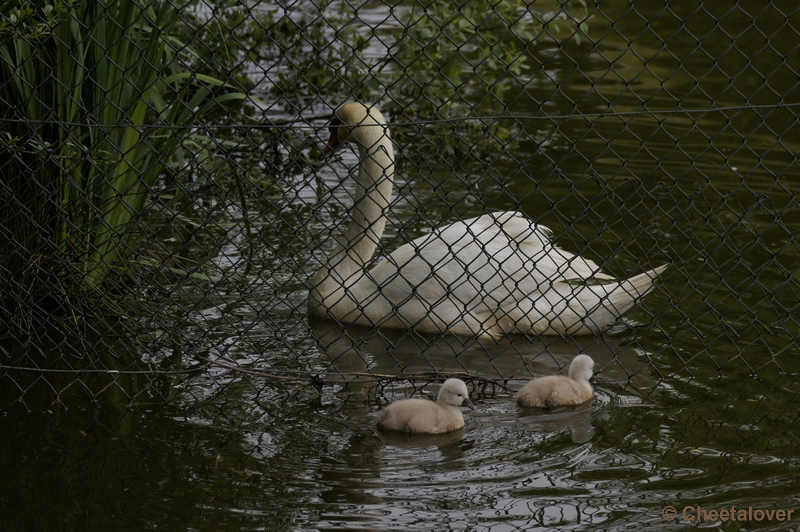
{"points": [[698, 398]]}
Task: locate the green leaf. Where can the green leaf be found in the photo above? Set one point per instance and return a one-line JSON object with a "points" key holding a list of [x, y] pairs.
{"points": [[453, 72]]}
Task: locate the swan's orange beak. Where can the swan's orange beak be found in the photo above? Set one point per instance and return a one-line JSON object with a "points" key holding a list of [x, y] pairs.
{"points": [[329, 148]]}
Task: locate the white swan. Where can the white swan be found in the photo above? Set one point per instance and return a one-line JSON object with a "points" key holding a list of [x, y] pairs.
{"points": [[494, 275], [558, 390], [423, 416]]}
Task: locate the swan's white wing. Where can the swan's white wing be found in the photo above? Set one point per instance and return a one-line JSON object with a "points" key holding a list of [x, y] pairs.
{"points": [[497, 254]]}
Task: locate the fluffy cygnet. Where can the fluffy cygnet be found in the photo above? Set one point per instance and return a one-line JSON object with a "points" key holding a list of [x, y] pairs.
{"points": [[425, 416], [557, 390]]}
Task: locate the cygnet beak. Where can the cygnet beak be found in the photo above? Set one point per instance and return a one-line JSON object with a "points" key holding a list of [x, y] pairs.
{"points": [[593, 380], [468, 404]]}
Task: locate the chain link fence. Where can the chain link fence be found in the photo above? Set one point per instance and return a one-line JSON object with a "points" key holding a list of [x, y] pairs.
{"points": [[167, 203], [165, 210]]}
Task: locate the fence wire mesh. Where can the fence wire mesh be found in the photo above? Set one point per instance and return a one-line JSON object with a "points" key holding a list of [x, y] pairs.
{"points": [[173, 198], [164, 208]]}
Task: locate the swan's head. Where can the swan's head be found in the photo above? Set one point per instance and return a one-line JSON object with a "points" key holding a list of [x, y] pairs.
{"points": [[582, 368], [355, 122], [454, 392]]}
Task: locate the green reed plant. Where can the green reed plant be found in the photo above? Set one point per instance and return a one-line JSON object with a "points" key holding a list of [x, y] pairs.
{"points": [[94, 114]]}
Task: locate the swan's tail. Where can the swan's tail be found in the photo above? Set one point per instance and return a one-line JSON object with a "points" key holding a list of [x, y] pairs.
{"points": [[613, 300], [630, 291], [570, 309], [636, 287]]}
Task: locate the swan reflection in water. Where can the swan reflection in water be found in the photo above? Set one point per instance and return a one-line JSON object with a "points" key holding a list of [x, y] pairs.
{"points": [[355, 353]]}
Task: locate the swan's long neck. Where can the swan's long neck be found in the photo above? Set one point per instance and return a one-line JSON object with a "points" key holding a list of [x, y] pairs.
{"points": [[368, 214]]}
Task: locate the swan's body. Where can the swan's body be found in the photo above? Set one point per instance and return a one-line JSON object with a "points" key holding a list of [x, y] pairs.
{"points": [[557, 390], [423, 416], [493, 275]]}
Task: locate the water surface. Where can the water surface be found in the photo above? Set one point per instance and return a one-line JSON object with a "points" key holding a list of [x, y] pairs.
{"points": [[697, 403]]}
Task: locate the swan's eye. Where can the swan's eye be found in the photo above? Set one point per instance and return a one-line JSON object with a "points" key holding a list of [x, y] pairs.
{"points": [[334, 125]]}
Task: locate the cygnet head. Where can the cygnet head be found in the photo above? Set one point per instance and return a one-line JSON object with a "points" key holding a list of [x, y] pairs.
{"points": [[582, 368], [454, 392], [355, 122]]}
